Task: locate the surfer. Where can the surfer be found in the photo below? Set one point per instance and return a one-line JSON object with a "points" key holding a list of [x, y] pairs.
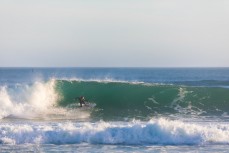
{"points": [[82, 101]]}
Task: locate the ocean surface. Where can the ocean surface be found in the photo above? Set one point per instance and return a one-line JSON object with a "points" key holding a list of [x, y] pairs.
{"points": [[128, 110]]}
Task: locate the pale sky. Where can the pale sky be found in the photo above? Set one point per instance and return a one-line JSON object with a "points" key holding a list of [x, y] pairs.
{"points": [[114, 33]]}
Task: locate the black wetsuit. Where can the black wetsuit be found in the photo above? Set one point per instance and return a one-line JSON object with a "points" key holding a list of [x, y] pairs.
{"points": [[82, 101]]}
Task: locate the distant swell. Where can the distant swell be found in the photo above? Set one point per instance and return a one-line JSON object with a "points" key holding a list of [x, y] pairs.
{"points": [[156, 131]]}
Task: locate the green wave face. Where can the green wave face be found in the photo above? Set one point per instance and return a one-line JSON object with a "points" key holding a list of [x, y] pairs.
{"points": [[117, 99]]}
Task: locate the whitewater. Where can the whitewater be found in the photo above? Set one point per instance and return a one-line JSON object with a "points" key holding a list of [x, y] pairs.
{"points": [[134, 109]]}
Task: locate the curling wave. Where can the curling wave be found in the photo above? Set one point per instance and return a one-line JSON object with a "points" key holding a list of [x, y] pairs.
{"points": [[145, 100], [112, 100]]}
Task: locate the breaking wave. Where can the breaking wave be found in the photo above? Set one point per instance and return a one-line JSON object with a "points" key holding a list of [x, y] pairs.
{"points": [[35, 101], [156, 131], [141, 100], [112, 100]]}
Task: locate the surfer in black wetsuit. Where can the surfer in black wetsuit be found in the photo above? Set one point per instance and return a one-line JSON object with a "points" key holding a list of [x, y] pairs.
{"points": [[82, 100]]}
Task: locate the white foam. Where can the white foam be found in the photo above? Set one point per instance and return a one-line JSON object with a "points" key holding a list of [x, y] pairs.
{"points": [[156, 131], [42, 95], [34, 101], [5, 101]]}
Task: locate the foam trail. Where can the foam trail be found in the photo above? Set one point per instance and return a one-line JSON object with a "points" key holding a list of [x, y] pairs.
{"points": [[157, 131]]}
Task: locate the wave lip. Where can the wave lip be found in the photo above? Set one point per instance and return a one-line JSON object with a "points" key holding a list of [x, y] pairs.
{"points": [[102, 80], [155, 132]]}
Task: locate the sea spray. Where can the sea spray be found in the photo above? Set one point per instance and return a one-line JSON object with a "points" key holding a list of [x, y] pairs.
{"points": [[5, 101], [42, 95], [27, 101]]}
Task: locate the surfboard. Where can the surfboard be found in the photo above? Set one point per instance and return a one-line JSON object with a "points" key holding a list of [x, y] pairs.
{"points": [[89, 104], [77, 105]]}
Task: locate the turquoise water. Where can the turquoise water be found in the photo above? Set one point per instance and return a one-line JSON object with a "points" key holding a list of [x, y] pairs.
{"points": [[131, 109], [141, 100]]}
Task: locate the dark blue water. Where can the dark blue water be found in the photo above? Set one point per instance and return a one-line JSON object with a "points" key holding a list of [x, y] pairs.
{"points": [[186, 76]]}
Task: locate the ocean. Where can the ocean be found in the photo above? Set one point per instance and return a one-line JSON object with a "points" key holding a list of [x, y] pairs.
{"points": [[128, 110]]}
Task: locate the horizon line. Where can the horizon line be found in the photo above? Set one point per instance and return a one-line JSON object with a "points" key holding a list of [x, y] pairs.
{"points": [[115, 67]]}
